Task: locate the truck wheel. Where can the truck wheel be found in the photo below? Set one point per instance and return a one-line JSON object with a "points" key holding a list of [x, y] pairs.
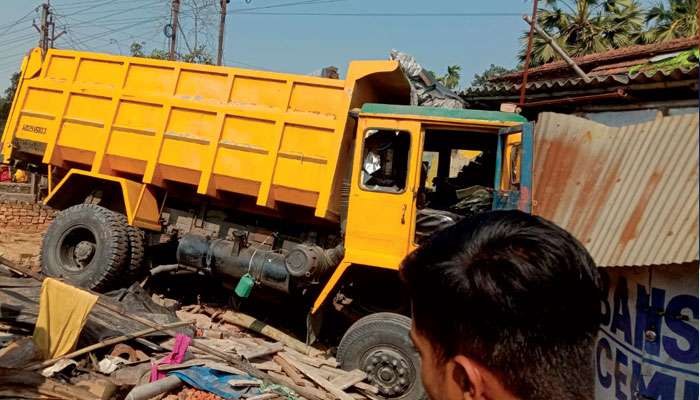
{"points": [[380, 345], [87, 245], [137, 248]]}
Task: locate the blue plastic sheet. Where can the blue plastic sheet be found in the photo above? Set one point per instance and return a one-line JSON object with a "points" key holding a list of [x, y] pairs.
{"points": [[214, 381]]}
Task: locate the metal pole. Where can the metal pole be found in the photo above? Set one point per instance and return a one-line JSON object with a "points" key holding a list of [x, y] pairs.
{"points": [[556, 48], [173, 24], [222, 26], [44, 30], [52, 37], [526, 66]]}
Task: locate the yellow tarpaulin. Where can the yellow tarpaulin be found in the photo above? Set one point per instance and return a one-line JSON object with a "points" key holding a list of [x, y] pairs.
{"points": [[63, 310]]}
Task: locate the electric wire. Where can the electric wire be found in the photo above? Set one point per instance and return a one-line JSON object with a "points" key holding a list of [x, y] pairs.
{"points": [[6, 28], [390, 15]]}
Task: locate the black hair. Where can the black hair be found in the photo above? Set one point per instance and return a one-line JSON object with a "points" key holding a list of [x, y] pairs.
{"points": [[514, 292]]}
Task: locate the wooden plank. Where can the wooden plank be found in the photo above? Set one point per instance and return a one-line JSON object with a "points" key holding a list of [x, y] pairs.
{"points": [[349, 379], [316, 378], [370, 394], [312, 361], [366, 387], [186, 364], [262, 351], [335, 372], [248, 322], [308, 391], [267, 366], [290, 370], [244, 382], [264, 396]]}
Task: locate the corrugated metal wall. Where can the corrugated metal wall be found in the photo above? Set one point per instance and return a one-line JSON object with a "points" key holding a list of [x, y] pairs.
{"points": [[630, 194]]}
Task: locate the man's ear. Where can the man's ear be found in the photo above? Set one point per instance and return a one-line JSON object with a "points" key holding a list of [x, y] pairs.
{"points": [[468, 375]]}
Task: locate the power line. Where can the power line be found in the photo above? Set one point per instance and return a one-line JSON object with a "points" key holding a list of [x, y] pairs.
{"points": [[109, 22], [108, 32], [18, 41], [349, 14], [6, 28], [290, 4], [77, 4]]}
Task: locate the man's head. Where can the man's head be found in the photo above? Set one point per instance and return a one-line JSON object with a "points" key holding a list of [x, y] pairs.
{"points": [[505, 305]]}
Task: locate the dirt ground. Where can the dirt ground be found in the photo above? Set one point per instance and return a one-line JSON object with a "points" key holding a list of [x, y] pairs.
{"points": [[21, 247]]}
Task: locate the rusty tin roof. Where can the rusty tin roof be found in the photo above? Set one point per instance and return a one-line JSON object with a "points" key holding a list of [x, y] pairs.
{"points": [[629, 194]]}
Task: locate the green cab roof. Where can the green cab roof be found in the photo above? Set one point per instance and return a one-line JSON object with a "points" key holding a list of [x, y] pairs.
{"points": [[438, 112]]}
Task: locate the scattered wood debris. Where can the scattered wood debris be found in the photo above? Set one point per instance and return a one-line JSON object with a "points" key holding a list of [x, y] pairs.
{"points": [[250, 356]]}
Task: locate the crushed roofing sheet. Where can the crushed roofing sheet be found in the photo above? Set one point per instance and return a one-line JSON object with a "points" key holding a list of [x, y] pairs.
{"points": [[629, 194]]}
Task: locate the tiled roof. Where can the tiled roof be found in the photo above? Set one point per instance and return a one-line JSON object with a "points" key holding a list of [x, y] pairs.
{"points": [[608, 57], [596, 81], [606, 70]]}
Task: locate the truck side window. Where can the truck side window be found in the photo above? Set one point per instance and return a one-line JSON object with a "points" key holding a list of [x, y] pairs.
{"points": [[385, 160], [515, 166]]}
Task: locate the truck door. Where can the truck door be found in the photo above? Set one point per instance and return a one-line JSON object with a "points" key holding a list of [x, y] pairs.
{"points": [[513, 180], [382, 193]]}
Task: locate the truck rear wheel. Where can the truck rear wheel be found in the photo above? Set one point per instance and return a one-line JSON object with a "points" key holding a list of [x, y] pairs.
{"points": [[137, 252], [380, 345], [137, 249], [87, 245]]}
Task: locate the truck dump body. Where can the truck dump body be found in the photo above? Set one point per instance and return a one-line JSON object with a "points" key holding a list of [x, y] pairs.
{"points": [[273, 136]]}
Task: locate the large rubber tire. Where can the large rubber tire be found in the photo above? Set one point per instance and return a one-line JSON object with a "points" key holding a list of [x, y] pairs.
{"points": [[137, 249], [87, 245], [380, 345]]}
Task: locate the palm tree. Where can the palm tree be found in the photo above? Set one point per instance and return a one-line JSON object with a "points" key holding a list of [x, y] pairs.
{"points": [[677, 20], [582, 27], [451, 79]]}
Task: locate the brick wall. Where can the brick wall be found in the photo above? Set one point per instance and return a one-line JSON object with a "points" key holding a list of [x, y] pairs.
{"points": [[25, 217]]}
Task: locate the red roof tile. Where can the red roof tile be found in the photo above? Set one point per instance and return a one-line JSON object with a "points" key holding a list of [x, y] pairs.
{"points": [[610, 57]]}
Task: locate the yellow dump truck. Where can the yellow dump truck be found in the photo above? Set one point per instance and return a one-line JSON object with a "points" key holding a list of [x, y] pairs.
{"points": [[301, 186]]}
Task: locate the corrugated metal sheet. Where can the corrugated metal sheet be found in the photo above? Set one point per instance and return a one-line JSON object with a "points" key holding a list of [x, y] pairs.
{"points": [[615, 80], [629, 194]]}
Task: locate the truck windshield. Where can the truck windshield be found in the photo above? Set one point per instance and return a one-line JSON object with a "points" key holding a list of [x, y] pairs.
{"points": [[385, 160], [457, 178]]}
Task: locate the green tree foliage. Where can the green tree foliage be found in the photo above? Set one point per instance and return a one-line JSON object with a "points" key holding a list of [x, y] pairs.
{"points": [[199, 55], [675, 20], [6, 100], [451, 78], [136, 49], [582, 27], [490, 72]]}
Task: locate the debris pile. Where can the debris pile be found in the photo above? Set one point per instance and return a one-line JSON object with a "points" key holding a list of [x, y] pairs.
{"points": [[426, 90], [58, 341]]}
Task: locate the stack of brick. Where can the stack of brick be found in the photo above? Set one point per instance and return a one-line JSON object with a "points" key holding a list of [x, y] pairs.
{"points": [[25, 217]]}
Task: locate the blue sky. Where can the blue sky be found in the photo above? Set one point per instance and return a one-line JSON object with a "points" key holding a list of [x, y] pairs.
{"points": [[288, 43]]}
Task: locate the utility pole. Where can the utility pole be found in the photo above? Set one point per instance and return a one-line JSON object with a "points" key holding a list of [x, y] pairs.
{"points": [[44, 28], [54, 36], [173, 24], [222, 26], [526, 66]]}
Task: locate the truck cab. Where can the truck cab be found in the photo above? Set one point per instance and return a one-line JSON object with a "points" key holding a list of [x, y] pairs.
{"points": [[415, 171], [419, 169]]}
